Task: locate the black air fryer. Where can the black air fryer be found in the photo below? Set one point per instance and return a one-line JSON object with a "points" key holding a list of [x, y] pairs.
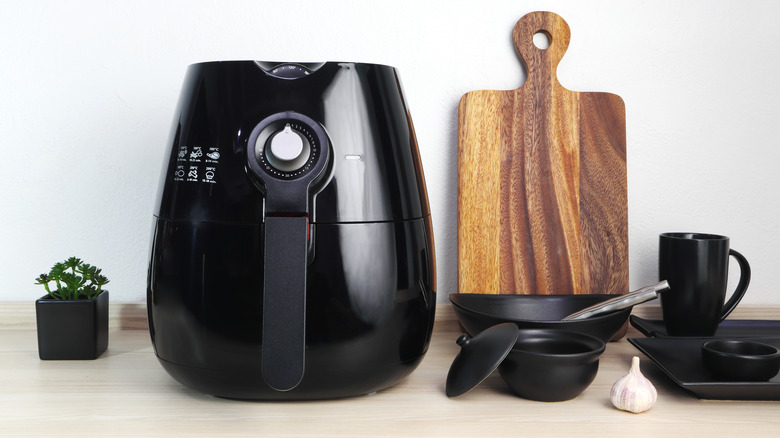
{"points": [[292, 253]]}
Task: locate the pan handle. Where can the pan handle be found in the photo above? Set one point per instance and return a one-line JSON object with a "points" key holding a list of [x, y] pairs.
{"points": [[284, 301]]}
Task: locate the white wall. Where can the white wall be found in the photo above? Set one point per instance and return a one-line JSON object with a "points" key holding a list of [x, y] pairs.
{"points": [[88, 89]]}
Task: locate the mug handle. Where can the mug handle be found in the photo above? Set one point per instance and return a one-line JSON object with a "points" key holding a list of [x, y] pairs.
{"points": [[744, 280]]}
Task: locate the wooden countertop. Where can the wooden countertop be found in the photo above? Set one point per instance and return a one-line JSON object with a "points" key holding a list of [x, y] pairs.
{"points": [[127, 393]]}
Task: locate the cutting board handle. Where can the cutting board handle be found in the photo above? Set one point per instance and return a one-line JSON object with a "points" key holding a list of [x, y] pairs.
{"points": [[541, 63]]}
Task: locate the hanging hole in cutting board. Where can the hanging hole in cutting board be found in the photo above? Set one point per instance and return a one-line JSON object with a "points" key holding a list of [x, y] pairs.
{"points": [[542, 39]]}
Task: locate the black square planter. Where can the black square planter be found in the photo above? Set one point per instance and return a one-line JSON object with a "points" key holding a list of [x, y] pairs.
{"points": [[72, 329]]}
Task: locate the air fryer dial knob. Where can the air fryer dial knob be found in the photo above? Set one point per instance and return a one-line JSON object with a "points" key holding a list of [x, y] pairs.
{"points": [[288, 150], [287, 146]]}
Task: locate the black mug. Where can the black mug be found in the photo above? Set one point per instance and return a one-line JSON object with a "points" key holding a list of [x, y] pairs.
{"points": [[696, 267]]}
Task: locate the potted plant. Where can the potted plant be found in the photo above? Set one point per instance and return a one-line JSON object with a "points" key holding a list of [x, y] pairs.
{"points": [[72, 318]]}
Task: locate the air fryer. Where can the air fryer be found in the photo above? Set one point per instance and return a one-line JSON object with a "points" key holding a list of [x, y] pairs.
{"points": [[292, 253]]}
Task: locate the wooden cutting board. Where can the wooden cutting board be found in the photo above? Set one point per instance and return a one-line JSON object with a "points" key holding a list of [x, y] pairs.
{"points": [[542, 192]]}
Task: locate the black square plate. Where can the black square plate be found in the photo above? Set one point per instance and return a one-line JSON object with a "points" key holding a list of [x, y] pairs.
{"points": [[730, 328], [680, 359]]}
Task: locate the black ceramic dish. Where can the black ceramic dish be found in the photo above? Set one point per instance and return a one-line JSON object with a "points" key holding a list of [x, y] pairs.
{"points": [[537, 364], [479, 357], [680, 359], [477, 312], [730, 328], [551, 365], [740, 360]]}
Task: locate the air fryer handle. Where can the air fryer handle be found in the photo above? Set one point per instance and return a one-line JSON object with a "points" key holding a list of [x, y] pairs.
{"points": [[284, 301], [288, 192]]}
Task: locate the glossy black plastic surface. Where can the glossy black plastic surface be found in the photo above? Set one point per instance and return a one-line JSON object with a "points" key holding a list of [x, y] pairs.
{"points": [[375, 174], [551, 365], [343, 306], [477, 312], [370, 306]]}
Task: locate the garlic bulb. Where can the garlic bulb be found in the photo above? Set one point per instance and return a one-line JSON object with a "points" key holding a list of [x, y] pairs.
{"points": [[633, 392]]}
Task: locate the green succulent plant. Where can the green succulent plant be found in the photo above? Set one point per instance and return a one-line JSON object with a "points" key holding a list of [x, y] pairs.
{"points": [[75, 280]]}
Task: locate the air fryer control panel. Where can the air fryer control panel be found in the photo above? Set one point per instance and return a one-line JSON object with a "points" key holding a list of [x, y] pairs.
{"points": [[196, 164], [226, 146], [285, 146]]}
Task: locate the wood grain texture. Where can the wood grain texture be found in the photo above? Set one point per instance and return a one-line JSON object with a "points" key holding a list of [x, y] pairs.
{"points": [[542, 201], [127, 393], [121, 315]]}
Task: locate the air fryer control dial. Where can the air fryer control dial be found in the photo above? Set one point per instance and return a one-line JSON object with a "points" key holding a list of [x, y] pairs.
{"points": [[286, 148], [286, 144]]}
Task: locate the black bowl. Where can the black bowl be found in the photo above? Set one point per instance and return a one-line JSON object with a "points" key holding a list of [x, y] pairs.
{"points": [[740, 361], [476, 312], [551, 365]]}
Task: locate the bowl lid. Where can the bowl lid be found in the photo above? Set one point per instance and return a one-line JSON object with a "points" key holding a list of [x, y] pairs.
{"points": [[479, 357]]}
